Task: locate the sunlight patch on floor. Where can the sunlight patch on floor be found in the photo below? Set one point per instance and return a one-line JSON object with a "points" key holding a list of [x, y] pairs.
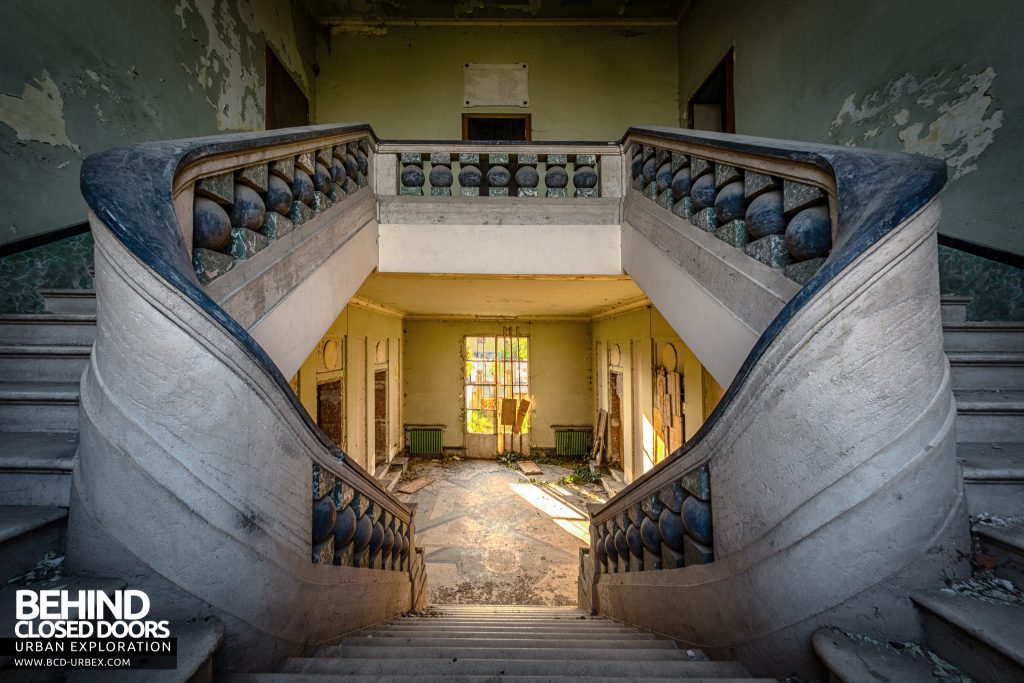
{"points": [[561, 514]]}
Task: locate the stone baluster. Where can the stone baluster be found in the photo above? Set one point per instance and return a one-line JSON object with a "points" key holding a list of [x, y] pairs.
{"points": [[362, 162], [345, 525], [556, 178], [338, 172], [621, 545], [633, 518], [650, 536], [527, 177], [498, 175], [781, 223], [325, 514], [361, 505], [412, 177], [584, 177], [609, 546], [470, 177], [600, 553], [441, 178], [376, 536], [353, 170]]}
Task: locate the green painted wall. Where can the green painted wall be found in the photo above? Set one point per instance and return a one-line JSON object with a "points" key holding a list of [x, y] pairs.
{"points": [[81, 77], [934, 77], [586, 83]]}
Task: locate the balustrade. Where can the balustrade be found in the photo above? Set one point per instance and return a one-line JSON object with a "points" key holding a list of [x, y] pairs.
{"points": [[780, 222], [239, 212]]}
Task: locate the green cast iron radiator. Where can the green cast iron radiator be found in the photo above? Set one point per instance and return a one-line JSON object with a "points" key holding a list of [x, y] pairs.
{"points": [[424, 441], [572, 442]]}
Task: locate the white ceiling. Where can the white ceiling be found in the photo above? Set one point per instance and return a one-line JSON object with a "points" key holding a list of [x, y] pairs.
{"points": [[490, 296]]}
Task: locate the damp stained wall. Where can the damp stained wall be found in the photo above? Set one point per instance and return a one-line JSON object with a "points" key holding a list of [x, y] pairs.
{"points": [[933, 77], [365, 333], [81, 77], [560, 374], [585, 82]]}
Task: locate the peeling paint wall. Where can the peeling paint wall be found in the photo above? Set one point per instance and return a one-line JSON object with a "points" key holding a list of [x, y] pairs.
{"points": [[83, 77], [585, 83], [933, 77]]}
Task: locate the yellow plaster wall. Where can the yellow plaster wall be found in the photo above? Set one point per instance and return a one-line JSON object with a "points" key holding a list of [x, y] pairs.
{"points": [[585, 83], [560, 374], [641, 333], [362, 330]]}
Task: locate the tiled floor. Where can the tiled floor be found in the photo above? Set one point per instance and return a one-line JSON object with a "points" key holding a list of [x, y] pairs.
{"points": [[491, 535]]}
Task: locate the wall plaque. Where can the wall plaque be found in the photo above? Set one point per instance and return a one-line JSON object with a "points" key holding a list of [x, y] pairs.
{"points": [[496, 85]]}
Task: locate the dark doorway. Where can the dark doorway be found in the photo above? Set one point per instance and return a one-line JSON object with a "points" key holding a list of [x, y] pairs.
{"points": [[380, 417], [711, 106], [330, 411], [615, 418], [287, 105], [509, 127]]}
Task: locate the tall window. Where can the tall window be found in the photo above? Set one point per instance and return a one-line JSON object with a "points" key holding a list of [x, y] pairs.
{"points": [[497, 383]]}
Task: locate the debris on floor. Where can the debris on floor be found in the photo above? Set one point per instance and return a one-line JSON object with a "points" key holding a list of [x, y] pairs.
{"points": [[529, 468], [415, 485]]}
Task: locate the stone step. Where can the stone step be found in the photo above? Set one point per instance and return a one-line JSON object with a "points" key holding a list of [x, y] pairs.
{"points": [[984, 337], [851, 659], [35, 467], [510, 627], [417, 678], [569, 666], [39, 406], [987, 371], [992, 416], [528, 643], [506, 635], [993, 478], [981, 637], [392, 650], [62, 301], [36, 362], [45, 328], [1003, 540], [198, 641], [954, 308], [27, 532]]}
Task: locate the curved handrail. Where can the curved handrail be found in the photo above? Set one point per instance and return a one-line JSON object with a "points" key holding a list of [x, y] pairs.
{"points": [[875, 191], [144, 220]]}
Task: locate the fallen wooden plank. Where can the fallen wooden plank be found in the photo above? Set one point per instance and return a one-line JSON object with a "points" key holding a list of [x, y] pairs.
{"points": [[529, 467], [395, 476], [415, 485]]}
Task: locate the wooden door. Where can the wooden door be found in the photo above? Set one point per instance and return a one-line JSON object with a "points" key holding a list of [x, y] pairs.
{"points": [[615, 418], [330, 411], [380, 417]]}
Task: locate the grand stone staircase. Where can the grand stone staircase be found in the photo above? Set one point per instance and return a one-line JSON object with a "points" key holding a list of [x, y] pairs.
{"points": [[470, 643], [971, 627]]}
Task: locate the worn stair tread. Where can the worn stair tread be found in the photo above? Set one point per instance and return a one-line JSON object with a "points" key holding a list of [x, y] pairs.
{"points": [[1009, 534], [21, 349], [992, 461], [448, 678], [38, 450], [568, 666], [985, 358], [989, 399], [63, 392], [18, 520], [197, 641], [395, 650], [469, 643], [510, 634], [852, 660], [998, 625]]}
